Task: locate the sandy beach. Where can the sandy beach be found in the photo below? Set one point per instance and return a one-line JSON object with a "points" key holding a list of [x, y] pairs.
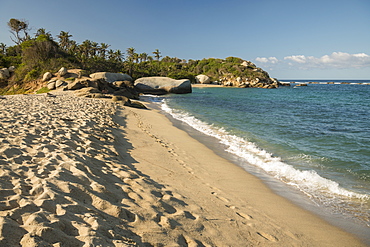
{"points": [[91, 172], [206, 85]]}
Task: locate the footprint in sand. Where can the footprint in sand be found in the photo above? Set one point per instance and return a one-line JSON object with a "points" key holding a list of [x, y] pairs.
{"points": [[220, 197], [267, 236]]}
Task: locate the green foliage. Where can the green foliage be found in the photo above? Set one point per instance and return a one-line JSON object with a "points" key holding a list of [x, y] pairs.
{"points": [[43, 90], [182, 75], [70, 79], [32, 75], [32, 57]]}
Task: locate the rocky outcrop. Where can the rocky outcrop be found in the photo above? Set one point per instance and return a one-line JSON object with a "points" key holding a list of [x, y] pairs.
{"points": [[162, 85], [231, 81], [93, 88], [202, 79], [301, 85], [111, 77]]}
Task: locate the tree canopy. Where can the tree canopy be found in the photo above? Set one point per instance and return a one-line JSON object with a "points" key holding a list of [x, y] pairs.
{"points": [[33, 56]]}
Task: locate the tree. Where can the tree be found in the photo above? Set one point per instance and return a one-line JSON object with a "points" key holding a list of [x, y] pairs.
{"points": [[85, 48], [42, 32], [130, 54], [17, 27], [143, 57], [118, 56], [64, 42], [157, 54], [94, 49], [130, 59], [103, 49]]}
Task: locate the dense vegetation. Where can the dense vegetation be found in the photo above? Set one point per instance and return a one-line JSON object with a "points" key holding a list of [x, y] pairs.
{"points": [[33, 56]]}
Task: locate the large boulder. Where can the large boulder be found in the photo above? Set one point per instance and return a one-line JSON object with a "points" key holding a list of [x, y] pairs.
{"points": [[111, 77], [4, 73], [63, 71], [47, 76], [126, 88], [202, 79], [162, 85], [51, 85], [11, 69]]}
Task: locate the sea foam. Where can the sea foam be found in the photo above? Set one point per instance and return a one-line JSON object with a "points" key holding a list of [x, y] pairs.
{"points": [[307, 181]]}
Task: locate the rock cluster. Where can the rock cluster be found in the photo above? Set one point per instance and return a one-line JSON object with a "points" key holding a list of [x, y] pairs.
{"points": [[98, 85], [231, 81], [116, 84]]}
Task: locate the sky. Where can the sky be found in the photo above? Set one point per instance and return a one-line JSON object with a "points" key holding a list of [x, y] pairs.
{"points": [[290, 39]]}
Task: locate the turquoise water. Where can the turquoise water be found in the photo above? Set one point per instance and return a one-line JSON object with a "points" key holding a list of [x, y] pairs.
{"points": [[315, 139]]}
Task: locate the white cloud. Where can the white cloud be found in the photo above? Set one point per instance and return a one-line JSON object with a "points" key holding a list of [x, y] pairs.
{"points": [[262, 60], [336, 60], [339, 60], [272, 60], [297, 59]]}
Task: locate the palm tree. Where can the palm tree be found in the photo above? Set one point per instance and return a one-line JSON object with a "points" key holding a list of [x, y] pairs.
{"points": [[143, 57], [136, 58], [94, 49], [157, 54], [85, 48], [64, 42], [72, 47], [118, 56], [42, 31], [103, 49], [130, 59], [130, 54]]}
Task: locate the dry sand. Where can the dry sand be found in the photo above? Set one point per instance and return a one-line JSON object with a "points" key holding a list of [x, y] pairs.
{"points": [[206, 85], [88, 172]]}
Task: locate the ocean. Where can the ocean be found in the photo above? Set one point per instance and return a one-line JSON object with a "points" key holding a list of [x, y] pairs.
{"points": [[310, 144]]}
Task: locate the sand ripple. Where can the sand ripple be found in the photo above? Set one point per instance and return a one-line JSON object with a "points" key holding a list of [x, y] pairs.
{"points": [[63, 183]]}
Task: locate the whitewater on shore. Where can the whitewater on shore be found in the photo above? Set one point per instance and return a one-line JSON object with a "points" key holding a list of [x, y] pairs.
{"points": [[299, 160]]}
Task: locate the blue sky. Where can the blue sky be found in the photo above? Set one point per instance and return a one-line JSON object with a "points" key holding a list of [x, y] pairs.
{"points": [[291, 39]]}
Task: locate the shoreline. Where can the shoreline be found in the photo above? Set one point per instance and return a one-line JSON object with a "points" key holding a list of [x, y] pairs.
{"points": [[77, 171], [231, 191], [290, 193]]}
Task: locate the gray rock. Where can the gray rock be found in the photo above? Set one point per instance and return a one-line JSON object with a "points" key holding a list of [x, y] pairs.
{"points": [[87, 90], [75, 85], [11, 69], [4, 73], [111, 77], [202, 79], [47, 76], [63, 71], [60, 83], [123, 83], [51, 85], [162, 85]]}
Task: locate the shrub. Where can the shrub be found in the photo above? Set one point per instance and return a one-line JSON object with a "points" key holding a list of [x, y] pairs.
{"points": [[32, 75], [43, 90]]}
